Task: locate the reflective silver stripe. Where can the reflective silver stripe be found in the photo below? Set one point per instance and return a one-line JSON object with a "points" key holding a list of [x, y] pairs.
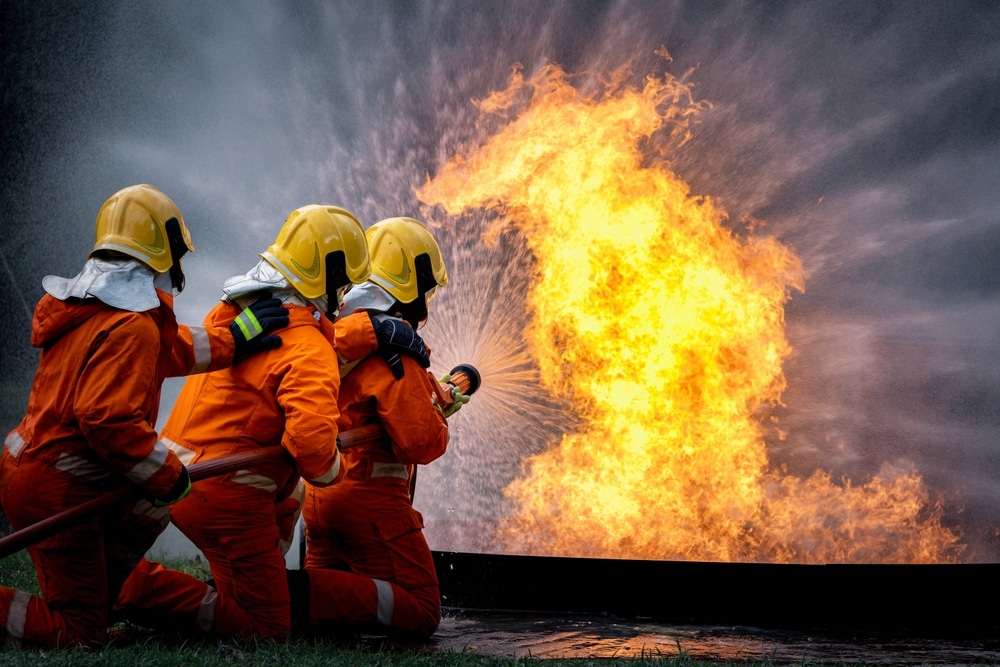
{"points": [[386, 602], [202, 349], [80, 467], [148, 467], [286, 271], [158, 514], [17, 614], [390, 470], [128, 250], [255, 480], [206, 612], [299, 493], [182, 452], [13, 442], [248, 324], [332, 473]]}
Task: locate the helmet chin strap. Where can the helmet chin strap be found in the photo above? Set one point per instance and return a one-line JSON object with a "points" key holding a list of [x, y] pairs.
{"points": [[177, 250], [164, 282], [177, 277]]}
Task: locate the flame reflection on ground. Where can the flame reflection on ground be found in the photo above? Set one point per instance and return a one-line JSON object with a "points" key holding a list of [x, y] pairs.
{"points": [[588, 637]]}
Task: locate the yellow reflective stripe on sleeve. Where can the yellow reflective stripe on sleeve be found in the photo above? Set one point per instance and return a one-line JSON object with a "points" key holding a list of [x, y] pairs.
{"points": [[386, 602], [149, 466], [14, 442], [248, 324], [202, 349]]}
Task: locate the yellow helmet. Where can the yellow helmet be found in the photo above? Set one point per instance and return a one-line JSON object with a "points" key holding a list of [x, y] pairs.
{"points": [[406, 260], [320, 249], [144, 223]]}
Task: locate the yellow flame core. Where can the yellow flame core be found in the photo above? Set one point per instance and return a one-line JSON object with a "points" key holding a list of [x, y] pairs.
{"points": [[666, 332]]}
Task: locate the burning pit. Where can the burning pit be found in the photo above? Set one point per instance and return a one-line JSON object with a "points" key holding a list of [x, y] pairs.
{"points": [[658, 324]]}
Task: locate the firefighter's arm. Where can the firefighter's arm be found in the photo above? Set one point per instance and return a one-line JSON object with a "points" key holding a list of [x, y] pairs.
{"points": [[228, 336], [111, 407], [308, 396], [417, 428], [352, 336]]}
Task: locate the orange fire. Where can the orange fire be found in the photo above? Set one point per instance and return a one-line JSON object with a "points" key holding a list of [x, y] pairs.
{"points": [[665, 330]]}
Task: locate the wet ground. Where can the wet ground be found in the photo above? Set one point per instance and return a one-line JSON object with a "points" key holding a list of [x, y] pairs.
{"points": [[572, 636]]}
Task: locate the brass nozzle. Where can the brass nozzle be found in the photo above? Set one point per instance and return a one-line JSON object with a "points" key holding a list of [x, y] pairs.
{"points": [[466, 378]]}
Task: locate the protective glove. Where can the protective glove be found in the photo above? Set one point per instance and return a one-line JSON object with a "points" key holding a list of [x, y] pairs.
{"points": [[458, 398], [179, 490], [396, 337], [249, 327]]}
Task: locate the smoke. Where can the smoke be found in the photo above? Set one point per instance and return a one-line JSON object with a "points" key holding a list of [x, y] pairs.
{"points": [[863, 134]]}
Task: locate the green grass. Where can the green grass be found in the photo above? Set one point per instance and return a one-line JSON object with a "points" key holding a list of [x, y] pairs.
{"points": [[301, 654], [16, 571]]}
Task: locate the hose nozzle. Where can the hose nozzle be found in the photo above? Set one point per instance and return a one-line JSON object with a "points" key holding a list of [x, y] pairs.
{"points": [[465, 379]]}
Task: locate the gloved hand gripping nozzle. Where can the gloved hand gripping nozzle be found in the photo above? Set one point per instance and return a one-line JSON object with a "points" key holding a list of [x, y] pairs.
{"points": [[454, 390]]}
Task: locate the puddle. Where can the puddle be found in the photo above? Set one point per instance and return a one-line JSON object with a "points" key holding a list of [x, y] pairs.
{"points": [[522, 635]]}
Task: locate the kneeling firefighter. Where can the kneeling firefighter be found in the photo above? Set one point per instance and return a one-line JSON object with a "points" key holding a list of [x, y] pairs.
{"points": [[282, 398], [108, 338], [367, 561]]}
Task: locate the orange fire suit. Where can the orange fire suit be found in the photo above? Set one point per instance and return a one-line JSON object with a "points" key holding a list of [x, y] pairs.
{"points": [[88, 430], [286, 397], [367, 560]]}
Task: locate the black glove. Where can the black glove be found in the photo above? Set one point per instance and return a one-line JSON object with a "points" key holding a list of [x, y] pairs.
{"points": [[249, 327], [396, 337]]}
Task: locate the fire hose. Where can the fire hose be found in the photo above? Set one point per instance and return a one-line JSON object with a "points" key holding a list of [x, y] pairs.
{"points": [[463, 377], [223, 465]]}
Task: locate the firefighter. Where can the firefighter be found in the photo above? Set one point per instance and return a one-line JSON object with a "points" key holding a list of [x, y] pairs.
{"points": [[281, 398], [367, 562], [108, 337]]}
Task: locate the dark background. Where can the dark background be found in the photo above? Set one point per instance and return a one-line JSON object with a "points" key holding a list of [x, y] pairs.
{"points": [[864, 133]]}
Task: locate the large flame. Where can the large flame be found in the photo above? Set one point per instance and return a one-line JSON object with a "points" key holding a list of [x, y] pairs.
{"points": [[665, 330]]}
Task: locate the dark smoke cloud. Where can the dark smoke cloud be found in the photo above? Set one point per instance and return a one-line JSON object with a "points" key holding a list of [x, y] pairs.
{"points": [[864, 134]]}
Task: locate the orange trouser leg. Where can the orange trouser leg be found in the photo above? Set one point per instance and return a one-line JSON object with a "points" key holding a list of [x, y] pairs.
{"points": [[370, 562], [73, 607], [237, 530], [155, 596], [345, 598], [158, 597], [77, 580], [80, 569], [30, 620]]}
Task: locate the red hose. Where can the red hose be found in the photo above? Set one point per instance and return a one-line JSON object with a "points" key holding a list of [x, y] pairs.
{"points": [[202, 470]]}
